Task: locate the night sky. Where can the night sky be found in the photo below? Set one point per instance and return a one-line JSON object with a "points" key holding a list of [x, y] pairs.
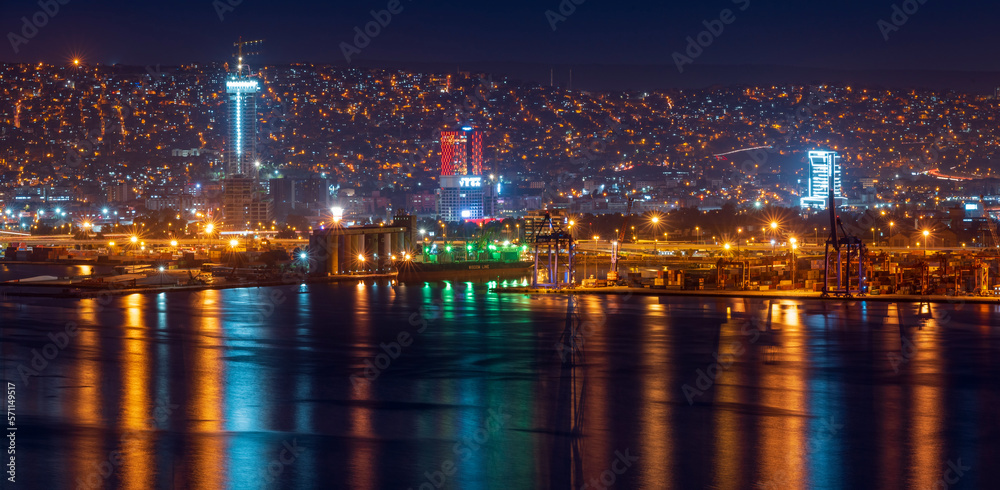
{"points": [[831, 35]]}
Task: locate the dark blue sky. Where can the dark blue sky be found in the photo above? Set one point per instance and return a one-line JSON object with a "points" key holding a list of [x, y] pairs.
{"points": [[830, 34]]}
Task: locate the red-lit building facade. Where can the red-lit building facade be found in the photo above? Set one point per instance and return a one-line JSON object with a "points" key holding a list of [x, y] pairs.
{"points": [[463, 194]]}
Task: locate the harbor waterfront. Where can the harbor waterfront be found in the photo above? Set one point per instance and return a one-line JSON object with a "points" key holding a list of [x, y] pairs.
{"points": [[327, 245], [452, 384]]}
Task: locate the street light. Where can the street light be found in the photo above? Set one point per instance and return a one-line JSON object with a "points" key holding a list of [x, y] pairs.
{"points": [[655, 220], [795, 245], [926, 234]]}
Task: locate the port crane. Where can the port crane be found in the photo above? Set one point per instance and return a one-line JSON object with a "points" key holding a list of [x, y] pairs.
{"points": [[617, 243], [550, 240], [847, 249], [983, 270], [989, 222]]}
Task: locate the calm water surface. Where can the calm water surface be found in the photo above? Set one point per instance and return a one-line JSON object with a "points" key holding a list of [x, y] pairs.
{"points": [[253, 388]]}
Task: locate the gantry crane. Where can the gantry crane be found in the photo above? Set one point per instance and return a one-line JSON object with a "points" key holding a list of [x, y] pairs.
{"points": [[990, 259], [550, 240], [856, 253], [989, 222]]}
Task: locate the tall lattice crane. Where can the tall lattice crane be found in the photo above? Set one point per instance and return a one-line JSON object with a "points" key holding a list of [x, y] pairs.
{"points": [[987, 264], [989, 223]]}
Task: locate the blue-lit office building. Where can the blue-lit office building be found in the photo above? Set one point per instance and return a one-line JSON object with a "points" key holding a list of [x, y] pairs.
{"points": [[244, 200], [823, 165], [242, 145]]}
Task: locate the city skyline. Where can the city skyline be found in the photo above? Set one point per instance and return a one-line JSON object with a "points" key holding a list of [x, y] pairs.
{"points": [[560, 244], [367, 131]]}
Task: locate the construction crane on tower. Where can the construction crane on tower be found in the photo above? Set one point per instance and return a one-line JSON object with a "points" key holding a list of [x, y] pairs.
{"points": [[241, 53]]}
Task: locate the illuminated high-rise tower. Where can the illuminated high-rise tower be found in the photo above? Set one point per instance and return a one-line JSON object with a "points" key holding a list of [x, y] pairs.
{"points": [[242, 89], [461, 194], [462, 152], [824, 172], [243, 203], [242, 149]]}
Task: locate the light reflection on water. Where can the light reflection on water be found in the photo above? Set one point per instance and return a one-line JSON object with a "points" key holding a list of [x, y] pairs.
{"points": [[244, 374], [10, 272]]}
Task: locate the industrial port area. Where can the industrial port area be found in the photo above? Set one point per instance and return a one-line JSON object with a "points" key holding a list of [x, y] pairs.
{"points": [[548, 259], [841, 267]]}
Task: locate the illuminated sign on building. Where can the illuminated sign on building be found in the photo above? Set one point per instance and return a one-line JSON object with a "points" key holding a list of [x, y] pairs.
{"points": [[470, 182]]}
